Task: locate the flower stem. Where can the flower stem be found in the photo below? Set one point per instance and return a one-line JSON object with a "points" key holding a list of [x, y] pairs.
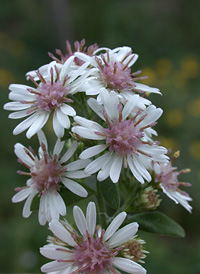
{"points": [[101, 207]]}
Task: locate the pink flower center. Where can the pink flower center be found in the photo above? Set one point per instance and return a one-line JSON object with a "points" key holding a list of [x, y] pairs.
{"points": [[78, 47], [92, 255], [123, 137], [168, 177], [51, 96], [47, 172], [117, 75]]}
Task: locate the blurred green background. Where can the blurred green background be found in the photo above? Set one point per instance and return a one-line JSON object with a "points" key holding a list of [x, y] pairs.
{"points": [[166, 35]]}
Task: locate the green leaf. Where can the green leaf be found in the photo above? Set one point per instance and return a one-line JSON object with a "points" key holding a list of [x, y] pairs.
{"points": [[157, 222], [111, 193]]}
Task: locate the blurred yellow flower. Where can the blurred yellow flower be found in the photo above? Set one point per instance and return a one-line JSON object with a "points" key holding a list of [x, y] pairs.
{"points": [[6, 77], [194, 150], [168, 143], [151, 80], [194, 107], [179, 80], [190, 66], [13, 46], [174, 117], [164, 67]]}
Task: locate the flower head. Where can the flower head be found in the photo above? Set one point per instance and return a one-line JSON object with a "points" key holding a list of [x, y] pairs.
{"points": [[51, 95], [78, 47], [47, 174], [91, 249], [167, 176], [113, 72], [126, 134]]}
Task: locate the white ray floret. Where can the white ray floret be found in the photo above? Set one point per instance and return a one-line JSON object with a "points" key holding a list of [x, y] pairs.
{"points": [[90, 250], [54, 86], [127, 138], [47, 174]]}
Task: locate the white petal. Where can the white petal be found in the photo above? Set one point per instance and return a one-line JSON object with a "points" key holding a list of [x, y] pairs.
{"points": [[129, 106], [74, 187], [87, 133], [142, 170], [116, 168], [16, 106], [95, 165], [42, 138], [41, 212], [96, 107], [128, 266], [20, 151], [105, 169], [24, 96], [78, 164], [61, 232], [91, 217], [68, 110], [80, 220], [146, 88], [58, 147], [87, 123], [78, 174], [63, 119], [54, 252], [59, 204], [59, 130], [79, 71], [66, 67], [123, 235], [21, 195], [133, 169], [114, 225], [54, 266], [69, 153], [110, 101], [37, 124], [18, 88], [92, 151], [52, 207], [26, 209], [18, 114], [25, 124]]}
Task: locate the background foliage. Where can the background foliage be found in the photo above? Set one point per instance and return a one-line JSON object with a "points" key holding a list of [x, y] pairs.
{"points": [[166, 35]]}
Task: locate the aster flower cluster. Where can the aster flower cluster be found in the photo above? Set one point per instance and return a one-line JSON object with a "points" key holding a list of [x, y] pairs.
{"points": [[92, 101]]}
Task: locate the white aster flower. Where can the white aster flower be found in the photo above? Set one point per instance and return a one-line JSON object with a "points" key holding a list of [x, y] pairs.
{"points": [[48, 174], [167, 176], [125, 135], [91, 250], [113, 72], [50, 96]]}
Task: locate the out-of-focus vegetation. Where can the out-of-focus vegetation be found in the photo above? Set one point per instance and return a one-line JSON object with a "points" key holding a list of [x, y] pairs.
{"points": [[166, 35]]}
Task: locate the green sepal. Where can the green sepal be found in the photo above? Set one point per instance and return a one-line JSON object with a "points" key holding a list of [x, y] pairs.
{"points": [[158, 223], [110, 193]]}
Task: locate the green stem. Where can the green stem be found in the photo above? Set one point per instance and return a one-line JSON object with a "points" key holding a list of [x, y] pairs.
{"points": [[101, 207]]}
